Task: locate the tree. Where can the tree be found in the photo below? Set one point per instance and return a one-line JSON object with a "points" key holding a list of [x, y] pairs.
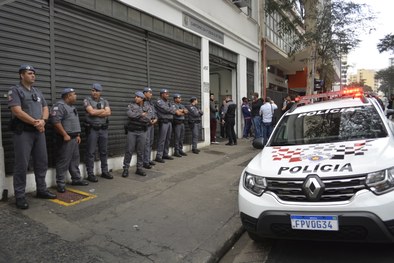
{"points": [[386, 44], [330, 30], [386, 78]]}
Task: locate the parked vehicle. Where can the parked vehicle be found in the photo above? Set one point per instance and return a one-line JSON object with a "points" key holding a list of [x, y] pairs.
{"points": [[326, 173]]}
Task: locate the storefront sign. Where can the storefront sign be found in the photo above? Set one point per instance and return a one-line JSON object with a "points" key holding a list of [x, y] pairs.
{"points": [[202, 28]]}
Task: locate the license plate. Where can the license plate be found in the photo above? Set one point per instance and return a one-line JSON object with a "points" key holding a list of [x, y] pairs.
{"points": [[321, 223]]}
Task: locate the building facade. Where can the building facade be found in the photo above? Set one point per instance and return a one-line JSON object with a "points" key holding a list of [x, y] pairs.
{"points": [[366, 77], [192, 47]]}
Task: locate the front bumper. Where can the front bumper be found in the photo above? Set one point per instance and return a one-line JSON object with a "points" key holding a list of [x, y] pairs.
{"points": [[353, 227], [365, 218]]}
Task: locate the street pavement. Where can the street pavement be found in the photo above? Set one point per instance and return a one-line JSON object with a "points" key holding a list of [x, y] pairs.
{"points": [[183, 211]]}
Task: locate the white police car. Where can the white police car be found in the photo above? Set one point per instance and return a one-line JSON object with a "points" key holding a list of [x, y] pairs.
{"points": [[326, 173]]}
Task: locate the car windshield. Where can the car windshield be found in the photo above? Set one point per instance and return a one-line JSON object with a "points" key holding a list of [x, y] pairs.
{"points": [[332, 125]]}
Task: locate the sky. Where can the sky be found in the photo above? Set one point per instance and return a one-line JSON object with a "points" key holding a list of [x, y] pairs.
{"points": [[367, 56]]}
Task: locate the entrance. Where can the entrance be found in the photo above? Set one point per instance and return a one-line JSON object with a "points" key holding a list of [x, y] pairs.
{"points": [[222, 84]]}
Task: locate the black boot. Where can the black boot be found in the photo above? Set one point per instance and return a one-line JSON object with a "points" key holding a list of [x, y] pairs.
{"points": [[140, 172], [177, 154], [125, 172]]}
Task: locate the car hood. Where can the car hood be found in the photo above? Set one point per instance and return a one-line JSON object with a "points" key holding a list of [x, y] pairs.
{"points": [[325, 160]]}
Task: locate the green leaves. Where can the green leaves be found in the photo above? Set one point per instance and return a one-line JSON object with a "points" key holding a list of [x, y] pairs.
{"points": [[386, 44]]}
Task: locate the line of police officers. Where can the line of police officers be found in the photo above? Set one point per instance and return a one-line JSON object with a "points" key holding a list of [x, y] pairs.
{"points": [[143, 115], [30, 113]]}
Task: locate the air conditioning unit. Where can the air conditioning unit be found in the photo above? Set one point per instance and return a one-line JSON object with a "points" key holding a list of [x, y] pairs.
{"points": [[240, 3]]}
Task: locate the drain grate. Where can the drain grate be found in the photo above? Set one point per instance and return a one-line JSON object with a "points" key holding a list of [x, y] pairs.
{"points": [[72, 197]]}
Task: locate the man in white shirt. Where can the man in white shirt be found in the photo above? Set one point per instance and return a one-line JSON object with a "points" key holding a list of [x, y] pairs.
{"points": [[266, 113]]}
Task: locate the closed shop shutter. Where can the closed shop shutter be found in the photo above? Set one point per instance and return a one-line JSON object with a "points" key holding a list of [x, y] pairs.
{"points": [[24, 39], [177, 68], [89, 47], [92, 49]]}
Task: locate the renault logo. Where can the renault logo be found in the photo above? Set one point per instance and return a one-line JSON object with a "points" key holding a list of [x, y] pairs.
{"points": [[313, 187]]}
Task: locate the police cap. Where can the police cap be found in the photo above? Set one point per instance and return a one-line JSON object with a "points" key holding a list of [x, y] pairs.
{"points": [[147, 89], [26, 67], [97, 87], [66, 91], [177, 95], [140, 94], [193, 99], [163, 91]]}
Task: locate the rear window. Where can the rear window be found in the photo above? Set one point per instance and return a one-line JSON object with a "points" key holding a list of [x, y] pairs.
{"points": [[331, 125]]}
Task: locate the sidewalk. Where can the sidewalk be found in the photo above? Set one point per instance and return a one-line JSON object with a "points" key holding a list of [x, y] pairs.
{"points": [[183, 211]]}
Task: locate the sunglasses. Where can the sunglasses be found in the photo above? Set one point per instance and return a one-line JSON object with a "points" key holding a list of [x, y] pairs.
{"points": [[75, 112]]}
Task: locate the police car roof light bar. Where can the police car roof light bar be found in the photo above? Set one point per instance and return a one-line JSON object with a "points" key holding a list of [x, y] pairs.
{"points": [[351, 92]]}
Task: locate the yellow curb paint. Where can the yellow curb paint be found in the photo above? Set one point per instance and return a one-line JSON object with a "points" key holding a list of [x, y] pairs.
{"points": [[86, 198]]}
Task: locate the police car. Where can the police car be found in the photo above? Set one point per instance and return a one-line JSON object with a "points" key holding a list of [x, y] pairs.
{"points": [[326, 173]]}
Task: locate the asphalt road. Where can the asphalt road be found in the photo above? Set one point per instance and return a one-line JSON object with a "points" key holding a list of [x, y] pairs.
{"points": [[286, 251]]}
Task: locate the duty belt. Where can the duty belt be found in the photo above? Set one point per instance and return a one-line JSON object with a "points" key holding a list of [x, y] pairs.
{"points": [[73, 135], [165, 120]]}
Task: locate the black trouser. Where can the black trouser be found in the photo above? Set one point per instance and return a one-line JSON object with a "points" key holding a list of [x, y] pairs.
{"points": [[230, 123]]}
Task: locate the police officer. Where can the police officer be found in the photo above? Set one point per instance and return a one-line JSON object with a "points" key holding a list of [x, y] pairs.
{"points": [[138, 121], [195, 122], [29, 114], [150, 129], [179, 126], [96, 128], [65, 120], [165, 113]]}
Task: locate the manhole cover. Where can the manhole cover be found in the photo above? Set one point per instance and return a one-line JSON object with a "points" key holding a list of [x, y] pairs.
{"points": [[72, 197]]}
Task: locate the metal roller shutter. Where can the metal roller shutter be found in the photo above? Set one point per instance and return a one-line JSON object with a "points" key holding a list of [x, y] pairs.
{"points": [[92, 49], [24, 38], [177, 68]]}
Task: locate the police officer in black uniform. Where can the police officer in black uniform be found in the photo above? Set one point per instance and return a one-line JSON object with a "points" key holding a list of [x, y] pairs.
{"points": [[65, 120], [179, 126], [195, 122], [165, 113], [96, 128], [138, 120], [148, 105], [29, 114]]}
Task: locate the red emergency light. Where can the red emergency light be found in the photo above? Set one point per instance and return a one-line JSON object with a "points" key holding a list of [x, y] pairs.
{"points": [[356, 92]]}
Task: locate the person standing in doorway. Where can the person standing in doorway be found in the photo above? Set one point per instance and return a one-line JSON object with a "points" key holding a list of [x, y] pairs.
{"points": [[223, 107], [179, 126], [65, 120], [138, 121], [195, 122], [213, 110], [246, 112], [96, 128], [256, 118], [29, 114], [229, 120], [150, 129]]}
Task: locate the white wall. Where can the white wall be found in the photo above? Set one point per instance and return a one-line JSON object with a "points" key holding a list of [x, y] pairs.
{"points": [[241, 33]]}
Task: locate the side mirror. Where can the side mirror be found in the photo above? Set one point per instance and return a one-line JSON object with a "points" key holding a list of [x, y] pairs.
{"points": [[258, 143]]}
